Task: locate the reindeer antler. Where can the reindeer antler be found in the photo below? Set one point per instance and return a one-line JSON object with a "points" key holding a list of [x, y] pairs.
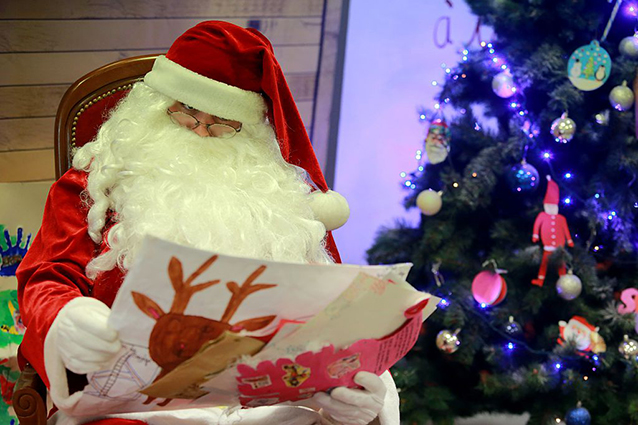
{"points": [[183, 290], [240, 293]]}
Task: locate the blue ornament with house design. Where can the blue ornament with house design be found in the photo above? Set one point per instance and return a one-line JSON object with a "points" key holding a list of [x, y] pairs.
{"points": [[589, 67]]}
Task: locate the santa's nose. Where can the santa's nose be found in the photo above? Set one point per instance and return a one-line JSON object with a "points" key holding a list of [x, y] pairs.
{"points": [[201, 130]]}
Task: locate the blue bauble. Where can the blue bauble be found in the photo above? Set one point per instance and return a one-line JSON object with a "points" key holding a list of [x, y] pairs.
{"points": [[522, 177], [578, 416]]}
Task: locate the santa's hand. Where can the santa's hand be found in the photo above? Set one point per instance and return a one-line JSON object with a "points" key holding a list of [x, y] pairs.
{"points": [[353, 406], [84, 340]]}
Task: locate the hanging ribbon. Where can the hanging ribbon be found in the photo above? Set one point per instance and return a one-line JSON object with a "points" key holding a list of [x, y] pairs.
{"points": [[611, 19]]}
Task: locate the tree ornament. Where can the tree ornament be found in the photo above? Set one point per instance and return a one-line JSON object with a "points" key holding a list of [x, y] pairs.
{"points": [[489, 288], [437, 142], [602, 118], [629, 303], [628, 348], [578, 416], [621, 97], [552, 230], [582, 334], [589, 66], [513, 328], [503, 84], [629, 46], [429, 202], [522, 177], [563, 128], [569, 286], [448, 341]]}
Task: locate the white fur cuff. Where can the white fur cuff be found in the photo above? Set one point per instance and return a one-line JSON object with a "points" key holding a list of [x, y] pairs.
{"points": [[205, 94]]}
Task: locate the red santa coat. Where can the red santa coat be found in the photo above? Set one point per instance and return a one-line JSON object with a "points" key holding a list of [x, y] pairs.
{"points": [[553, 231], [52, 272]]}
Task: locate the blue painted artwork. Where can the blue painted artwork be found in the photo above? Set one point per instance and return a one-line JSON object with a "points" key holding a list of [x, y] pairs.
{"points": [[589, 66], [12, 251]]}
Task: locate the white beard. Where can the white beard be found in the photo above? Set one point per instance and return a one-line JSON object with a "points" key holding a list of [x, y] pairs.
{"points": [[233, 196]]}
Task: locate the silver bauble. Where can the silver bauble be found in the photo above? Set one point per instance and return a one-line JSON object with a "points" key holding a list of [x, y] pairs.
{"points": [[503, 84], [628, 348], [621, 97], [569, 286], [448, 341], [429, 202], [563, 128], [629, 46]]}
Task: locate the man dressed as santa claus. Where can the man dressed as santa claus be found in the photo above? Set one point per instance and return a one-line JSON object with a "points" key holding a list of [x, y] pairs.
{"points": [[208, 151]]}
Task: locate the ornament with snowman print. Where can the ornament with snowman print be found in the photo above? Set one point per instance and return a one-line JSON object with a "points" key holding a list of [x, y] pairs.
{"points": [[589, 67]]}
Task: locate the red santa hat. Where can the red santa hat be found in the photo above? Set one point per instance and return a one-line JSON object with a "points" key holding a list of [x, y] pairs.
{"points": [[553, 193], [231, 72]]}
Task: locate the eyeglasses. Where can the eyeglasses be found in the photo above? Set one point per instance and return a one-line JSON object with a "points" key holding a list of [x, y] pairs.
{"points": [[215, 129]]}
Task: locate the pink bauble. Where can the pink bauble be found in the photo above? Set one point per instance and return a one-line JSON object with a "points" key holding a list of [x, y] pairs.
{"points": [[489, 288]]}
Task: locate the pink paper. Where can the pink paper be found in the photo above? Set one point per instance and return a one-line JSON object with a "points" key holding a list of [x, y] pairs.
{"points": [[311, 372]]}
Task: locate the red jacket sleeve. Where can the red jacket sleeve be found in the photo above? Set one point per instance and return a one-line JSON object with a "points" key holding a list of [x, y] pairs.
{"points": [[568, 236], [52, 272], [537, 227]]}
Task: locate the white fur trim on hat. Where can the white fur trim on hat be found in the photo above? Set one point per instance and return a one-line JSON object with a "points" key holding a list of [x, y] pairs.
{"points": [[330, 208], [205, 94]]}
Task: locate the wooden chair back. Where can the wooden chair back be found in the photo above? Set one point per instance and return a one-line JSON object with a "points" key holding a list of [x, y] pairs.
{"points": [[86, 104], [83, 109]]}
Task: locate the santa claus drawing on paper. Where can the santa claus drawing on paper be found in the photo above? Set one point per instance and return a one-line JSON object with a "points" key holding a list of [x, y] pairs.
{"points": [[552, 230]]}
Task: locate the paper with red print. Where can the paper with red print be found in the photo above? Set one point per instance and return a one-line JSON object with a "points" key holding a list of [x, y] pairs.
{"points": [[310, 372], [245, 298]]}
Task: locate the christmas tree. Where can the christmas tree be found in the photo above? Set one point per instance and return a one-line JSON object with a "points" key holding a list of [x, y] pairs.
{"points": [[528, 230]]}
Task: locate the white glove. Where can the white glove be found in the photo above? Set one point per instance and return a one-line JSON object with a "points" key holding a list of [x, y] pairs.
{"points": [[84, 340], [353, 406]]}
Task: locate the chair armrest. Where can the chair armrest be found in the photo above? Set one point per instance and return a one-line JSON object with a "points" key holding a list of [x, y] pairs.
{"points": [[29, 398]]}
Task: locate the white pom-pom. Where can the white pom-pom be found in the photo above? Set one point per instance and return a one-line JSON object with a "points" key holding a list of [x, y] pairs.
{"points": [[330, 208]]}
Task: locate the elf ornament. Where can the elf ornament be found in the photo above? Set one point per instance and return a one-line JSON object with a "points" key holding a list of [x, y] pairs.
{"points": [[551, 228], [583, 334], [437, 142]]}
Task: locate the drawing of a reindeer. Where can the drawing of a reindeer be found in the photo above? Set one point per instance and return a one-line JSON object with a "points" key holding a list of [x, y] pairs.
{"points": [[177, 337]]}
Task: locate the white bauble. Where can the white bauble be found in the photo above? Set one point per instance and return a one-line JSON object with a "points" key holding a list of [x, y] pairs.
{"points": [[429, 202], [503, 84], [569, 286], [629, 47], [621, 97]]}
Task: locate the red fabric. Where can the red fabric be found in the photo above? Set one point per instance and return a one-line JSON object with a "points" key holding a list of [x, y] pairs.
{"points": [[553, 230], [52, 272], [542, 271], [553, 193], [116, 422], [244, 58], [94, 116]]}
